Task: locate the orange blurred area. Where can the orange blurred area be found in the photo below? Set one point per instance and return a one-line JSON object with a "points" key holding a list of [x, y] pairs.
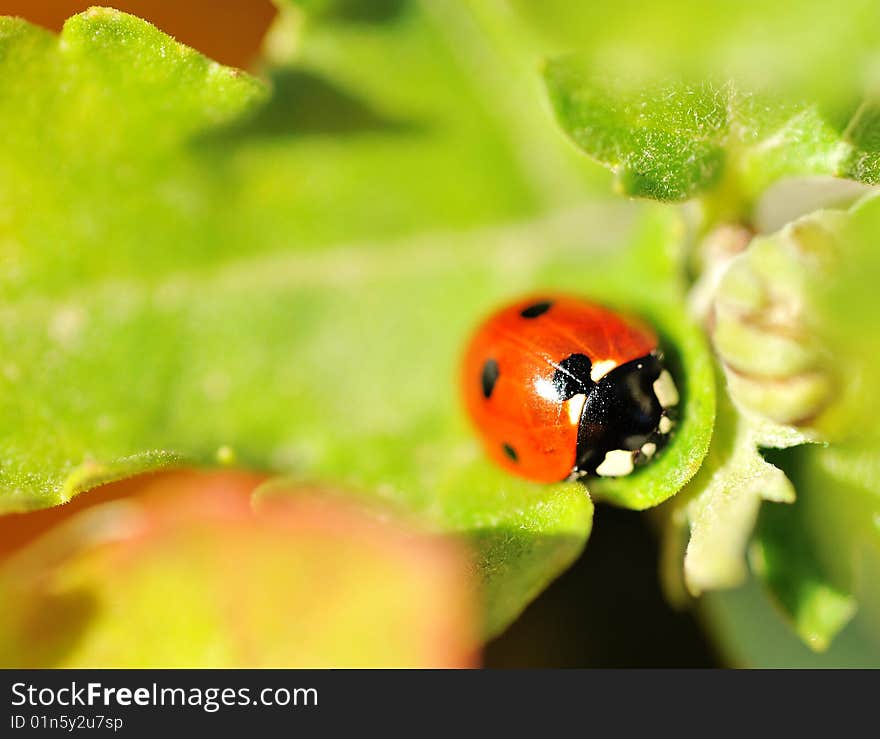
{"points": [[228, 31], [19, 529], [182, 571]]}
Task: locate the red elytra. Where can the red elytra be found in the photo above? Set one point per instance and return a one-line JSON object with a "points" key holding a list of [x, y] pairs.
{"points": [[529, 371]]}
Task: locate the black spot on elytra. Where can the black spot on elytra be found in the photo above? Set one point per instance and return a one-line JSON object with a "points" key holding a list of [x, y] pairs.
{"points": [[489, 377], [536, 309], [572, 376], [510, 452]]}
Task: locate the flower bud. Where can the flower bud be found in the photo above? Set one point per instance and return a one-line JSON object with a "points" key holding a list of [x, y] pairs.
{"points": [[765, 326]]}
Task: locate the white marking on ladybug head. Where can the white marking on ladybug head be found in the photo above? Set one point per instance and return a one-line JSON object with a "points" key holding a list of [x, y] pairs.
{"points": [[649, 449], [665, 425], [617, 463], [576, 407], [601, 368], [665, 390]]}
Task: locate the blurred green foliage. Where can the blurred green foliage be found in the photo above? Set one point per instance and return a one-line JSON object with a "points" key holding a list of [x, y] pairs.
{"points": [[801, 49]]}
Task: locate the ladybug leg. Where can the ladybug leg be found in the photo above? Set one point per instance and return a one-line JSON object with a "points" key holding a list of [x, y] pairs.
{"points": [[576, 475]]}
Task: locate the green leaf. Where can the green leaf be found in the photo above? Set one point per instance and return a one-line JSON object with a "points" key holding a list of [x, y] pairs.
{"points": [[674, 140], [719, 507], [748, 632], [840, 513], [186, 575], [82, 182], [820, 563], [782, 558], [863, 132], [662, 143], [213, 278]]}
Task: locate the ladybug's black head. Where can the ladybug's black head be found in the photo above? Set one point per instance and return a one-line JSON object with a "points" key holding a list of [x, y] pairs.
{"points": [[626, 417]]}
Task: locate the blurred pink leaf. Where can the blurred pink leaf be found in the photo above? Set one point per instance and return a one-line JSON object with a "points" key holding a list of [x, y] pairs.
{"points": [[186, 574]]}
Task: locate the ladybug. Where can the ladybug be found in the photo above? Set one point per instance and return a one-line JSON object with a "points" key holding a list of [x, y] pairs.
{"points": [[560, 388]]}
